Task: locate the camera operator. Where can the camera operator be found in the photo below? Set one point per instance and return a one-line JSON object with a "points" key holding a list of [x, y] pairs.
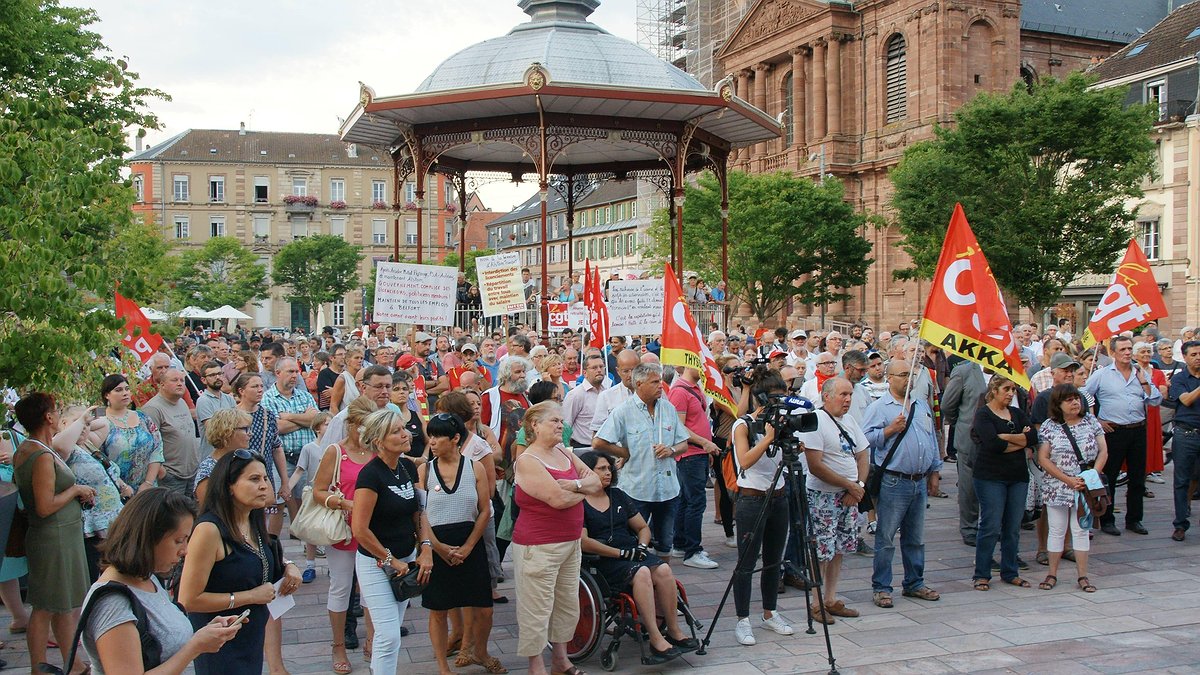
{"points": [[751, 440]]}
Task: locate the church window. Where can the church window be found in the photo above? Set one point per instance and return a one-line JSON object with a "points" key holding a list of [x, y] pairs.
{"points": [[896, 72]]}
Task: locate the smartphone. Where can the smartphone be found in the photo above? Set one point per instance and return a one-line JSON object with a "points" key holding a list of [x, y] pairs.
{"points": [[241, 617]]}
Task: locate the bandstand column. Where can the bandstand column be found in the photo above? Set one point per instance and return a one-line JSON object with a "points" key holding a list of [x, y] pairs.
{"points": [[571, 228], [462, 221], [420, 195], [543, 308]]}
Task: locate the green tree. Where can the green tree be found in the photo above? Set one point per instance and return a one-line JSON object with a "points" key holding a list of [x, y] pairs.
{"points": [[788, 236], [451, 260], [66, 225], [221, 272], [318, 270], [1046, 176]]}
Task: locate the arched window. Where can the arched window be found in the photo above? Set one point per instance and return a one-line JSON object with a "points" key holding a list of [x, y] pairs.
{"points": [[789, 113], [896, 76], [1029, 77]]}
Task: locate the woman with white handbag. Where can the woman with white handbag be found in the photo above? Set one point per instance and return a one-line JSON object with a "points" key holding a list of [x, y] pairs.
{"points": [[333, 488]]}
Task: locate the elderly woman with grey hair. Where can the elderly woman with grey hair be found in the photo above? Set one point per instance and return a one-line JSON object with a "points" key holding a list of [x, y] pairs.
{"points": [[1143, 352]]}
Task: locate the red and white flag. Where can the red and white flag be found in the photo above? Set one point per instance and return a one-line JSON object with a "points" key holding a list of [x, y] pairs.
{"points": [[1132, 300], [682, 344], [965, 313], [137, 335], [598, 308]]}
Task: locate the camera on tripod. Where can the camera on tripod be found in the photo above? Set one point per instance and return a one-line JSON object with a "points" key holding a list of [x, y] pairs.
{"points": [[744, 376], [788, 416]]}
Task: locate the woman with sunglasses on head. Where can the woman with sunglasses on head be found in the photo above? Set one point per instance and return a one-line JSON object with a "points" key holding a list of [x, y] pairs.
{"points": [[401, 401], [346, 458], [131, 440], [227, 430], [231, 564], [458, 510], [148, 538], [264, 440], [387, 523]]}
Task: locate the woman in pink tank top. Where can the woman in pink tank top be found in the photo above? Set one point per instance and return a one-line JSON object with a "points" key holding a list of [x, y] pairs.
{"points": [[551, 484]]}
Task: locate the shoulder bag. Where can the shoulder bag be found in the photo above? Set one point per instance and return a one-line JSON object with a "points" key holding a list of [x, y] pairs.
{"points": [[875, 477], [151, 647], [1097, 499], [406, 586], [318, 524], [867, 503]]}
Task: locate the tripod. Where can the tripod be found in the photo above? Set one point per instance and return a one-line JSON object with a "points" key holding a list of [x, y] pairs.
{"points": [[810, 572]]}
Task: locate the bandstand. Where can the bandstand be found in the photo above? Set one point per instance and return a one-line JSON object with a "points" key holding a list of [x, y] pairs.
{"points": [[562, 99]]}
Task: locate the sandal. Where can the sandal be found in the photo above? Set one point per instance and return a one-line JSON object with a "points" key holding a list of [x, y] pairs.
{"points": [[882, 599], [1069, 554], [1085, 585], [341, 667], [454, 647], [463, 660], [573, 670], [366, 647], [1042, 558], [982, 585], [1049, 584], [14, 629], [940, 494], [923, 593], [491, 664], [1018, 581]]}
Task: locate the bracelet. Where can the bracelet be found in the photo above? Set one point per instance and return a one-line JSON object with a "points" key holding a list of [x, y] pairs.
{"points": [[287, 562], [387, 560], [426, 542], [230, 601]]}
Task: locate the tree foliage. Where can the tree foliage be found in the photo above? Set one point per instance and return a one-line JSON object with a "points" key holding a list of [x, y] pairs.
{"points": [[1045, 177], [66, 228], [221, 272], [451, 260], [317, 269], [788, 236]]}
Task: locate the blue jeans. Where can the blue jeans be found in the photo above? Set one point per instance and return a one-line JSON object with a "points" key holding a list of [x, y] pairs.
{"points": [[661, 517], [693, 497], [900, 508], [1185, 452], [1001, 506]]}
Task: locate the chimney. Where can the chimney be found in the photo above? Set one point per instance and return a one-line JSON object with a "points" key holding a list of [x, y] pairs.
{"points": [[137, 143], [242, 130]]}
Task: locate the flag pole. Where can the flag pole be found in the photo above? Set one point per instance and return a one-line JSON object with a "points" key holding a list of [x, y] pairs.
{"points": [[911, 366]]}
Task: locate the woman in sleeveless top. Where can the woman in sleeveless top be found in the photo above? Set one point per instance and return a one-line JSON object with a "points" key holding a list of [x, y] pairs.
{"points": [[401, 403], [550, 487], [349, 456], [457, 507], [58, 575], [231, 565], [131, 440], [345, 389]]}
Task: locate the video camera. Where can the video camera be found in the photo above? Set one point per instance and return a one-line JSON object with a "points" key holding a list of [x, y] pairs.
{"points": [[744, 376], [788, 416]]}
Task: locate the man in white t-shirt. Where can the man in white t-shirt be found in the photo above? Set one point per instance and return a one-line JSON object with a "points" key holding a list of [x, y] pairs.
{"points": [[837, 464]]}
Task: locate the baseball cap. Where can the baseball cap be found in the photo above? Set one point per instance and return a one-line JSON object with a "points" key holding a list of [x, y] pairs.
{"points": [[406, 361], [1061, 360], [469, 347], [776, 352], [797, 334], [422, 336]]}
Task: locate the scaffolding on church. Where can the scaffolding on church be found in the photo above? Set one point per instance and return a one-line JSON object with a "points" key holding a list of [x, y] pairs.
{"points": [[688, 33]]}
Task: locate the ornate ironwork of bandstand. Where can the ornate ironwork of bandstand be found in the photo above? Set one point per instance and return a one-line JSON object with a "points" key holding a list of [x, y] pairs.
{"points": [[561, 99]]}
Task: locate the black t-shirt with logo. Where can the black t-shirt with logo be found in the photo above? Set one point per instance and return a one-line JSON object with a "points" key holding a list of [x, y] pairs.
{"points": [[396, 502]]}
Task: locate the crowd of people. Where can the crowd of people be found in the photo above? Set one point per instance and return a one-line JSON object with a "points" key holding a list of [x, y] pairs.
{"points": [[444, 454]]}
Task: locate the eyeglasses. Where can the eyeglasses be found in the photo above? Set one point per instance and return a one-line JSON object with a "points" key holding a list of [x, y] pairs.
{"points": [[246, 429], [824, 363], [900, 374], [242, 453]]}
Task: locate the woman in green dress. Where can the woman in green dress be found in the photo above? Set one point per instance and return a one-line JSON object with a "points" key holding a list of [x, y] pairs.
{"points": [[58, 574]]}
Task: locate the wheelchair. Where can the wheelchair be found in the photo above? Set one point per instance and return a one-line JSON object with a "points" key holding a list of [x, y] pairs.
{"points": [[605, 612]]}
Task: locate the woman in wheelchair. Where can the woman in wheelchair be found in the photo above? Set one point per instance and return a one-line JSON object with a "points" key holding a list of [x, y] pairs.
{"points": [[614, 531]]}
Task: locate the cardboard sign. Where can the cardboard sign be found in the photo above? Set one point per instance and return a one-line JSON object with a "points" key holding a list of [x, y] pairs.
{"points": [[563, 316], [420, 294], [500, 284], [635, 307]]}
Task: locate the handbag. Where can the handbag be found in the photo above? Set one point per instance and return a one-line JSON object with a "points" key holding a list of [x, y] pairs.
{"points": [[1097, 498], [875, 477], [405, 586], [866, 503], [15, 546], [318, 524], [150, 646]]}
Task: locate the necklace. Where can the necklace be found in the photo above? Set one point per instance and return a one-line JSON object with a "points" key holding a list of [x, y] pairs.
{"points": [[123, 420], [260, 553]]}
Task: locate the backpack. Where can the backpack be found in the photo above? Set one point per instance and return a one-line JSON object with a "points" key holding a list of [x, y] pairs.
{"points": [[151, 648], [729, 466]]}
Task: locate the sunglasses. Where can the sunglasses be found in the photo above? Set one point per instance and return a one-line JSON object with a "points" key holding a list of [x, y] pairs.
{"points": [[242, 453]]}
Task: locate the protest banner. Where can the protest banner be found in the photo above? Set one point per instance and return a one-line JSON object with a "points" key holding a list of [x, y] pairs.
{"points": [[564, 316], [500, 284], [635, 307], [420, 294]]}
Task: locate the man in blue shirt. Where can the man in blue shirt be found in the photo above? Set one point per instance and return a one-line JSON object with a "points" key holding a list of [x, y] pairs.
{"points": [[1122, 392], [900, 506], [1185, 392]]}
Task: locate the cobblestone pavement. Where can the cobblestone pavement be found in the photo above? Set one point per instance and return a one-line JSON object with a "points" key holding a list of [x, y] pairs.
{"points": [[1144, 618]]}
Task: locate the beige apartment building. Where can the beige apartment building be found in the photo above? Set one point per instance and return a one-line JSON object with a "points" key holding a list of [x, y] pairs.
{"points": [[267, 189]]}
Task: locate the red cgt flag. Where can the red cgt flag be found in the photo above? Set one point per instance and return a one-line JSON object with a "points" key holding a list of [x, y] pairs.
{"points": [[1133, 299], [137, 329], [594, 300], [682, 344], [965, 313]]}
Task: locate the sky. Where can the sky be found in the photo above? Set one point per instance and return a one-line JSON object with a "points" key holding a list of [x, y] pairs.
{"points": [[295, 65]]}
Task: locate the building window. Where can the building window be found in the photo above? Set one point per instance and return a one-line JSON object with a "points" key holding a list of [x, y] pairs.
{"points": [[579, 250], [608, 214], [603, 248], [300, 187], [182, 228], [260, 189], [410, 192], [449, 236], [562, 252], [339, 312], [617, 249], [1156, 94], [379, 231], [630, 244], [591, 248], [262, 226], [896, 97], [216, 226], [378, 191], [139, 187], [337, 226], [410, 231], [1150, 238], [337, 190], [216, 189], [299, 227], [553, 255], [181, 188]]}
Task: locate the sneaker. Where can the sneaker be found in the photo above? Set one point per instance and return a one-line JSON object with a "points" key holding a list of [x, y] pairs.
{"points": [[871, 527], [320, 552], [676, 553], [777, 624], [864, 549], [309, 575], [744, 633], [731, 542], [1155, 477], [701, 561]]}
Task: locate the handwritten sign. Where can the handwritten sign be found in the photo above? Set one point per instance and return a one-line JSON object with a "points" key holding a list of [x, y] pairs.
{"points": [[563, 316], [500, 284], [421, 294], [635, 307]]}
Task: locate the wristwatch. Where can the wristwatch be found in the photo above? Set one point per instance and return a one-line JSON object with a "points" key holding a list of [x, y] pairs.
{"points": [[578, 485], [860, 484]]}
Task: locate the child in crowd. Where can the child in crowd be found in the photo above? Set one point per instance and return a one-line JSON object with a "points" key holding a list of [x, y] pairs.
{"points": [[306, 470]]}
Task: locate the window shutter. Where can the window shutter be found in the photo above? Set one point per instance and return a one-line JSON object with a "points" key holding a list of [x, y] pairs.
{"points": [[897, 80]]}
